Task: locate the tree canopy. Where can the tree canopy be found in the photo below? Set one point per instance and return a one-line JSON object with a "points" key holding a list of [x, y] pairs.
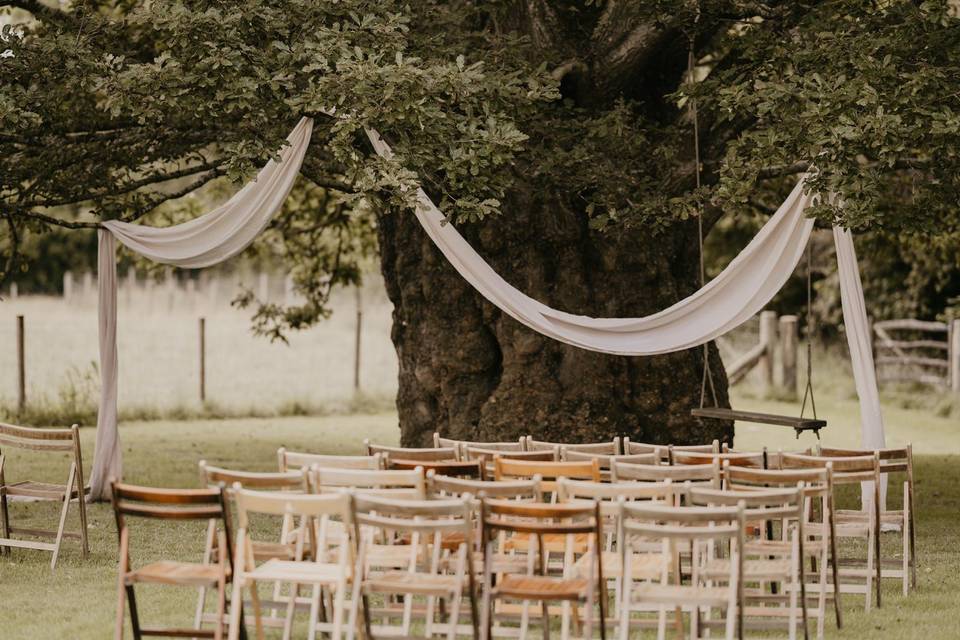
{"points": [[119, 108]]}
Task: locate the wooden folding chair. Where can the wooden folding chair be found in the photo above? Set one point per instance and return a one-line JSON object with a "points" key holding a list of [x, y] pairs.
{"points": [[433, 569], [412, 453], [284, 548], [694, 473], [52, 441], [174, 505], [856, 575], [505, 469], [330, 568], [631, 448], [771, 583], [741, 459], [818, 541], [293, 460], [894, 461], [405, 484], [610, 447], [486, 456], [705, 531], [535, 521], [609, 496]]}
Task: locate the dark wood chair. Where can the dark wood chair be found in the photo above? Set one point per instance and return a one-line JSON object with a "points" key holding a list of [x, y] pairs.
{"points": [[131, 501], [539, 520]]}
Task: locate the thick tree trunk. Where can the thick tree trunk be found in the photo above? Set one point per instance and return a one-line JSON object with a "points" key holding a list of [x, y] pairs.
{"points": [[469, 371]]}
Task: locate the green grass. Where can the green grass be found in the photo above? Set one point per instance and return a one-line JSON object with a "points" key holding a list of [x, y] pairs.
{"points": [[77, 601]]}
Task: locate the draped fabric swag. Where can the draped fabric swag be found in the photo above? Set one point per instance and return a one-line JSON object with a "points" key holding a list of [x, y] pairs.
{"points": [[744, 287]]}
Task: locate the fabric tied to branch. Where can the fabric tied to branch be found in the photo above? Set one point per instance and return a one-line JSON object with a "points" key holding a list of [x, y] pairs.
{"points": [[204, 241]]}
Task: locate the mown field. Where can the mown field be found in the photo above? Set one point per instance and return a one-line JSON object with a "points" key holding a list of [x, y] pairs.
{"points": [[77, 600]]}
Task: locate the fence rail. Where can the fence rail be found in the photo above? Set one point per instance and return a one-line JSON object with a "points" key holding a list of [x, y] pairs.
{"points": [[910, 350]]}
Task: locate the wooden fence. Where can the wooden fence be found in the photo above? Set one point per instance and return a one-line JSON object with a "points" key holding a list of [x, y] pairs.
{"points": [[922, 351]]}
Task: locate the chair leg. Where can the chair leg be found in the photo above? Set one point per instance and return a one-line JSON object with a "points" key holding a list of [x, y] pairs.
{"points": [[913, 540], [134, 616], [63, 515], [121, 588], [236, 608], [869, 575], [315, 595], [82, 505], [906, 538], [202, 591], [367, 624]]}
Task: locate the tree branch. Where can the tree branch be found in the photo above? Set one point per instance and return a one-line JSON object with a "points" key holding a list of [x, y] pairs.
{"points": [[40, 11]]}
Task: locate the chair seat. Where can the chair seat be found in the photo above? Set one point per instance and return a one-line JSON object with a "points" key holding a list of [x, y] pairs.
{"points": [[41, 490], [644, 566], [554, 542], [391, 555], [542, 588], [417, 583], [766, 569], [302, 572], [177, 573], [672, 593]]}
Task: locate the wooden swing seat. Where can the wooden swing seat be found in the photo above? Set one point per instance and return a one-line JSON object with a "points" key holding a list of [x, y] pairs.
{"points": [[798, 424]]}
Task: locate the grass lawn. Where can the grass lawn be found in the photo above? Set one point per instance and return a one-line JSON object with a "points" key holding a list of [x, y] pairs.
{"points": [[77, 600]]}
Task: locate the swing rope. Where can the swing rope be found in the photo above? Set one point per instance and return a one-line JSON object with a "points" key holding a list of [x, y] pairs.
{"points": [[707, 377], [808, 391]]}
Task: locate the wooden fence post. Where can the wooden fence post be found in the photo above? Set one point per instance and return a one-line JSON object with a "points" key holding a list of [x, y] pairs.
{"points": [[789, 345], [356, 344], [955, 355], [21, 368], [768, 338], [203, 359]]}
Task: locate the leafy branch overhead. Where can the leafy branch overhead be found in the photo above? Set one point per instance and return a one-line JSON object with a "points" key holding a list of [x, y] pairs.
{"points": [[120, 109]]}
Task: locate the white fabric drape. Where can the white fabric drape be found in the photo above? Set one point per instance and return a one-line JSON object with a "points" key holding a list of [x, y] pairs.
{"points": [[739, 292], [204, 241], [857, 327], [734, 296]]}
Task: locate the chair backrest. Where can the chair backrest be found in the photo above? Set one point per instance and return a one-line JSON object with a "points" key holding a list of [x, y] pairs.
{"points": [[297, 505], [440, 442], [817, 482], [894, 460], [636, 448], [299, 460], [487, 455], [659, 521], [454, 468], [445, 515], [412, 453], [439, 486], [547, 471], [609, 447], [606, 461], [759, 504], [846, 470], [212, 476], [609, 495], [540, 517], [627, 472], [407, 484], [681, 457]]}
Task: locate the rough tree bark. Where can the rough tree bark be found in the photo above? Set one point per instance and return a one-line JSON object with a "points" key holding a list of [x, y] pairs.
{"points": [[471, 372]]}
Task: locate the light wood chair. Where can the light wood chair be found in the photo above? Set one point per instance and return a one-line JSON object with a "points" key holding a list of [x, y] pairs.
{"points": [[432, 569], [534, 522], [283, 548], [705, 531], [741, 459], [293, 460], [819, 542], [610, 447], [694, 473], [631, 448], [609, 496], [50, 441], [404, 484], [894, 461], [411, 453], [487, 456], [856, 575], [174, 505], [771, 583], [331, 566]]}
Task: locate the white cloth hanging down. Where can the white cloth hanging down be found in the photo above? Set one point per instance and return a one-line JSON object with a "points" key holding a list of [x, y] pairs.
{"points": [[739, 292], [204, 241]]}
